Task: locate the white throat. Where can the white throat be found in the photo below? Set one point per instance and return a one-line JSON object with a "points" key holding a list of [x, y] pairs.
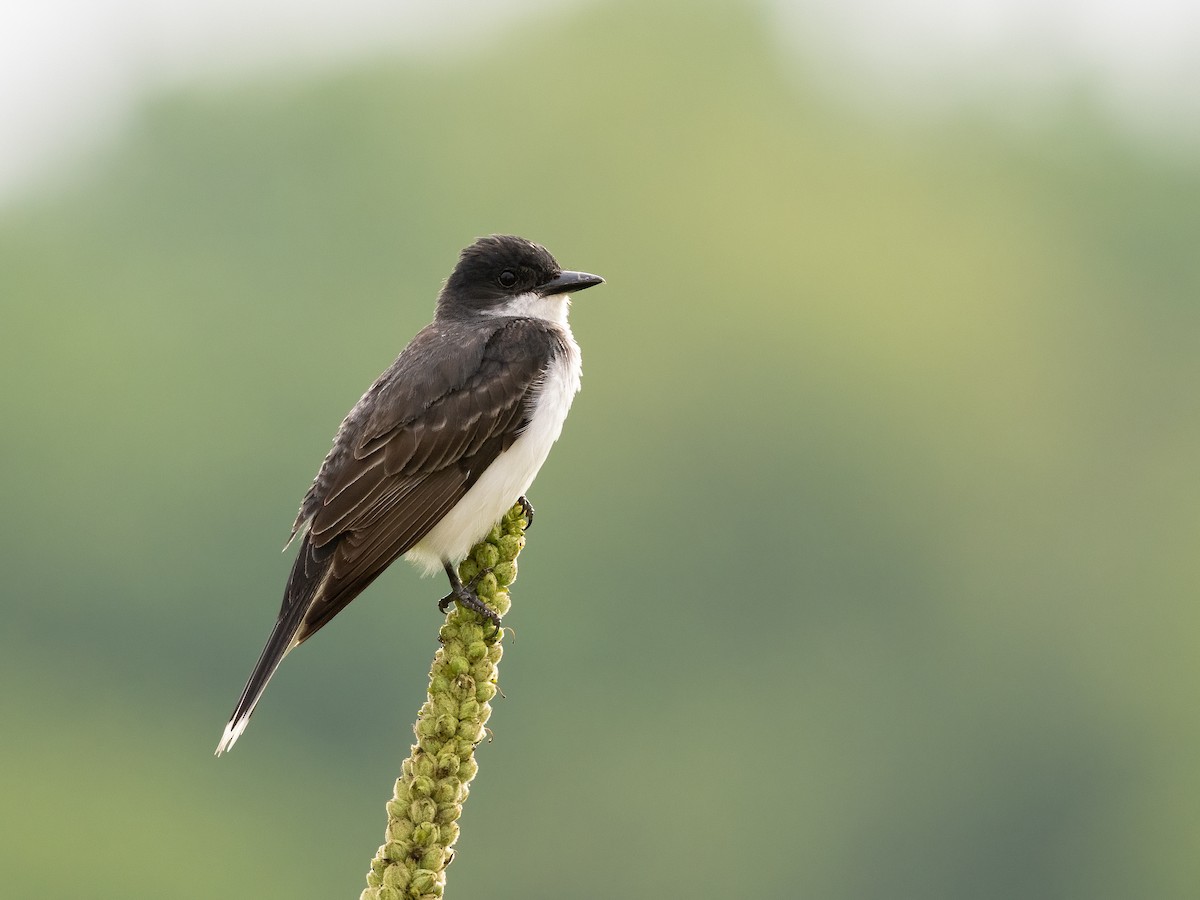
{"points": [[553, 308]]}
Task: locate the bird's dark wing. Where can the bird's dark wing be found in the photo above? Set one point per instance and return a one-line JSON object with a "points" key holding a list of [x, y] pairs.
{"points": [[421, 438]]}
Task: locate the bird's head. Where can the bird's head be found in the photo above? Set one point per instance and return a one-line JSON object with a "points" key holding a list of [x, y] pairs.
{"points": [[506, 275]]}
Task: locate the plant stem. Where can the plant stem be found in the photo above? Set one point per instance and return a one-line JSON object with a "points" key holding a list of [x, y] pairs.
{"points": [[434, 783]]}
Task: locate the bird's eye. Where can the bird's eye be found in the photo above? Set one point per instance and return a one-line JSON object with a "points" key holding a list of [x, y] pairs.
{"points": [[507, 278]]}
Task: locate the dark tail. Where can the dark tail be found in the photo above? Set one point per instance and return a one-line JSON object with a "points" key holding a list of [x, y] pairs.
{"points": [[278, 645], [309, 572]]}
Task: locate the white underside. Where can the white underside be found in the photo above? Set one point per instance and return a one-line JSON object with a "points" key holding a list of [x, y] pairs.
{"points": [[508, 477]]}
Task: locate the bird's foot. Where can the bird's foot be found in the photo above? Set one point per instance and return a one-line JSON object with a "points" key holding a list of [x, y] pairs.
{"points": [[465, 594], [471, 601], [527, 508]]}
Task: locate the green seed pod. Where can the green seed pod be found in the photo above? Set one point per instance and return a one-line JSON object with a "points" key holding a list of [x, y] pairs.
{"points": [[468, 569], [399, 830], [486, 555], [485, 587], [470, 710], [425, 834], [509, 546], [423, 881], [397, 877], [485, 691], [505, 572], [433, 859]]}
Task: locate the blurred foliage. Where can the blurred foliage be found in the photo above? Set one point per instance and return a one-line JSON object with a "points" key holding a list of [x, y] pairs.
{"points": [[884, 472]]}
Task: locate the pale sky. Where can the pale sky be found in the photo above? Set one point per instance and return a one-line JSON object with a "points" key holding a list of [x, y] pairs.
{"points": [[72, 70], [1142, 55]]}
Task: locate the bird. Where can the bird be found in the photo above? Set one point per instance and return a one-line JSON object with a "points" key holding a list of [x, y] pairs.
{"points": [[444, 442]]}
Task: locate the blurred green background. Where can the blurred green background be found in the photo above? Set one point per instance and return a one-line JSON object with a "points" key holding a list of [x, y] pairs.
{"points": [[866, 566]]}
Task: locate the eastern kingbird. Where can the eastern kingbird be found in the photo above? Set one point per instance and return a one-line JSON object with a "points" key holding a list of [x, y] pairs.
{"points": [[439, 447]]}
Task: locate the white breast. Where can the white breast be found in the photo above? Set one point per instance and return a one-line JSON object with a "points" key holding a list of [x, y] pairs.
{"points": [[509, 476]]}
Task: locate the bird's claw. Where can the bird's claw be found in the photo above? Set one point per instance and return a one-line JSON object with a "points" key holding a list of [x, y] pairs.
{"points": [[527, 508], [468, 598]]}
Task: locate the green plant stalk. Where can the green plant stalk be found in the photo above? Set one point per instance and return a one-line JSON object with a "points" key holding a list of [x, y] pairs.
{"points": [[434, 782]]}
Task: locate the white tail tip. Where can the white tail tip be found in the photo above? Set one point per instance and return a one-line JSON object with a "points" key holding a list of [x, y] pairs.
{"points": [[233, 731]]}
